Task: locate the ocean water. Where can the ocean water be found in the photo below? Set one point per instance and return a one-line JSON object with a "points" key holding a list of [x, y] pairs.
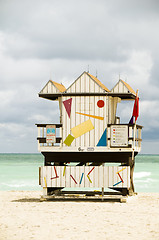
{"points": [[21, 172]]}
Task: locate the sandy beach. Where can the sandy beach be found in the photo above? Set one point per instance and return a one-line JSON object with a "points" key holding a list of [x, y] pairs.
{"points": [[24, 217]]}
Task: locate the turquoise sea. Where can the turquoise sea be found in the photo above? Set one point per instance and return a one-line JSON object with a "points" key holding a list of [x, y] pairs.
{"points": [[20, 172]]}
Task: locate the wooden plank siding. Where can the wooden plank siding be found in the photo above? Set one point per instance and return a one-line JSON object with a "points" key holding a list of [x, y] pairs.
{"points": [[86, 105], [49, 88], [52, 88], [122, 87], [85, 176], [85, 84]]}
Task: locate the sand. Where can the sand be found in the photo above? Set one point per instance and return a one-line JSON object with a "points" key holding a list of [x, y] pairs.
{"points": [[24, 217]]}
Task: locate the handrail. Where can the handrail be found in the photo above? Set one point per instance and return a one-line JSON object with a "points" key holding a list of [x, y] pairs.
{"points": [[43, 139], [58, 125], [128, 124], [42, 135]]}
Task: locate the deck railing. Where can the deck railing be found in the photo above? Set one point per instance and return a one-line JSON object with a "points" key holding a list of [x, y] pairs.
{"points": [[124, 136], [42, 135]]}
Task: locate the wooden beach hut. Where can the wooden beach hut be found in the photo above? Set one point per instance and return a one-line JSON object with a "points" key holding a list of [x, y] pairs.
{"points": [[90, 136]]}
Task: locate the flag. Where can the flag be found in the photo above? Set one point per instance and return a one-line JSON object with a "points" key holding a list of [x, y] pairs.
{"points": [[131, 120], [136, 108]]}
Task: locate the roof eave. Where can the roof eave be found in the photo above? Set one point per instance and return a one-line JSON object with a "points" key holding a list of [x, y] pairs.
{"points": [[123, 96], [55, 96], [50, 96]]}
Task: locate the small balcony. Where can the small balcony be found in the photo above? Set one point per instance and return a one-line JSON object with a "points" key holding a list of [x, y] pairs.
{"points": [[126, 136], [45, 139]]}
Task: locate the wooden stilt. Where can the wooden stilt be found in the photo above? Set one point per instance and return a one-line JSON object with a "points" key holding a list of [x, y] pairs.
{"points": [[102, 193], [45, 192], [132, 165]]}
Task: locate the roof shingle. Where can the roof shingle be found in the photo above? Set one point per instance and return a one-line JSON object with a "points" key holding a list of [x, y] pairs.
{"points": [[128, 87], [59, 86], [99, 82]]}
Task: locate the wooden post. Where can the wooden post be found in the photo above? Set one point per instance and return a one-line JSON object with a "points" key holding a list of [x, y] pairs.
{"points": [[102, 193], [132, 165], [44, 191], [39, 175]]}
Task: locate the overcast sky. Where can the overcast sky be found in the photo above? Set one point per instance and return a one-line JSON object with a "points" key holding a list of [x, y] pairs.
{"points": [[61, 38]]}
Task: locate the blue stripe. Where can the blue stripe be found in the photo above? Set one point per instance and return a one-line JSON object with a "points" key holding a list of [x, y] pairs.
{"points": [[81, 178], [117, 183]]}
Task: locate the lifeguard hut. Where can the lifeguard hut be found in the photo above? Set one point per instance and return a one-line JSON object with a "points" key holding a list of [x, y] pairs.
{"points": [[79, 151]]}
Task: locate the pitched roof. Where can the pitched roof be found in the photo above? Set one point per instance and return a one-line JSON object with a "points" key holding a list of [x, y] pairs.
{"points": [[128, 87], [99, 82], [59, 86]]}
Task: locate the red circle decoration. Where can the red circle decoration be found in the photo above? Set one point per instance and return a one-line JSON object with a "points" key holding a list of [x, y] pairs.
{"points": [[100, 103]]}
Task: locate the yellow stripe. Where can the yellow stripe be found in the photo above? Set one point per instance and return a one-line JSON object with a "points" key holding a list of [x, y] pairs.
{"points": [[97, 117], [64, 171], [82, 128], [121, 170], [45, 182], [89, 179]]}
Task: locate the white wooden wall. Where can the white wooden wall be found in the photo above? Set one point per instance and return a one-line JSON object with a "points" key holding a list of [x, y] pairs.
{"points": [[112, 109], [85, 176], [120, 88], [84, 84], [49, 88], [86, 105]]}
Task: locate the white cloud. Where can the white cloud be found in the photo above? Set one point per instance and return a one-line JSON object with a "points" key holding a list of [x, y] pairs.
{"points": [[150, 147], [18, 138], [64, 37], [150, 115]]}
